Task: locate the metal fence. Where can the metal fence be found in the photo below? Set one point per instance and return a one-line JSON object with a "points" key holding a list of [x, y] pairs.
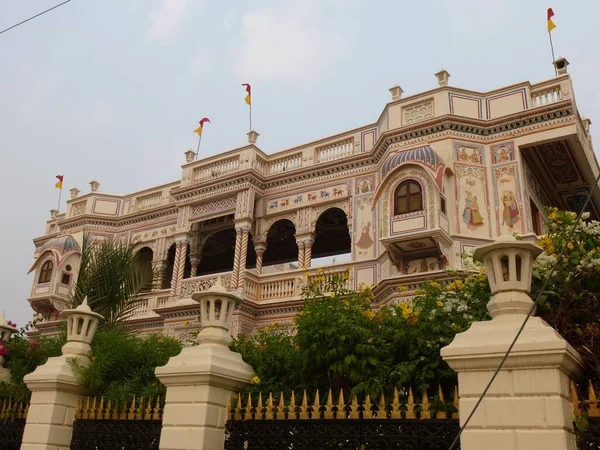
{"points": [[398, 424]]}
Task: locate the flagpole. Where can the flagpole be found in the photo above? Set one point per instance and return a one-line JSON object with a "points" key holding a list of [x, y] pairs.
{"points": [[59, 195], [553, 58], [198, 149], [250, 114]]}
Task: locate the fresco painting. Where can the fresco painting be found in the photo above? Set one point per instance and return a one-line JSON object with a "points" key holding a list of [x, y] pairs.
{"points": [[472, 209], [364, 234]]}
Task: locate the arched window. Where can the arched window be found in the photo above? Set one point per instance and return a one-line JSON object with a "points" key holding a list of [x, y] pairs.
{"points": [[46, 272], [408, 198]]}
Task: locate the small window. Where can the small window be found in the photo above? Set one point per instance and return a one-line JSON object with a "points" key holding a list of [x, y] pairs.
{"points": [[408, 198], [46, 272], [443, 204], [66, 278], [536, 218]]}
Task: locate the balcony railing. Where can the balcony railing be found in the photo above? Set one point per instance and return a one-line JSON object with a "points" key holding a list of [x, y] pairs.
{"points": [[335, 150], [203, 283], [150, 201], [217, 169], [546, 96]]}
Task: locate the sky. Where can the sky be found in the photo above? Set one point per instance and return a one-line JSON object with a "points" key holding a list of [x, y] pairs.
{"points": [[111, 90]]}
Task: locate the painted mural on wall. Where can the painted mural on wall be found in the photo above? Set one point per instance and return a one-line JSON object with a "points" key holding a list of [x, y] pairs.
{"points": [[507, 196], [468, 153], [504, 152], [471, 201], [364, 185], [364, 226], [422, 265], [301, 199]]}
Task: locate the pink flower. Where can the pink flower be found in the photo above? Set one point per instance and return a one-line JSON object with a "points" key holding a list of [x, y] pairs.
{"points": [[3, 351], [12, 324]]}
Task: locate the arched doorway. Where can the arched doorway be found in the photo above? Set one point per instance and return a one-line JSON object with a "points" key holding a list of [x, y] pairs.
{"points": [[332, 237], [144, 261], [281, 243], [217, 253], [166, 281]]}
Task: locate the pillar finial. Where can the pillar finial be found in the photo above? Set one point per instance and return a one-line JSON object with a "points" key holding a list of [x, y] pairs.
{"points": [[82, 324], [508, 264]]}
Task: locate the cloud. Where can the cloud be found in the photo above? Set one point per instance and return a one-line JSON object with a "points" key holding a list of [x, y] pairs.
{"points": [[296, 40], [166, 18]]}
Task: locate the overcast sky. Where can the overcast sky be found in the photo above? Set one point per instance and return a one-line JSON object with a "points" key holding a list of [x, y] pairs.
{"points": [[112, 89]]}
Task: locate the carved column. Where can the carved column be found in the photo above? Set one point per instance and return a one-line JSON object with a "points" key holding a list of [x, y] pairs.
{"points": [[194, 261], [159, 269], [301, 263], [179, 264], [236, 259], [241, 252], [308, 243], [260, 249]]}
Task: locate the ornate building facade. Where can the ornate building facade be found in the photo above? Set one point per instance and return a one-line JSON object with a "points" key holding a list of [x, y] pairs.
{"points": [[395, 202]]}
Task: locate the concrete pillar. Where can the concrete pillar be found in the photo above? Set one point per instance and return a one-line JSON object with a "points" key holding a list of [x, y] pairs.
{"points": [[160, 269], [236, 259], [528, 404], [200, 381], [6, 331], [243, 257], [260, 249], [301, 258], [54, 389]]}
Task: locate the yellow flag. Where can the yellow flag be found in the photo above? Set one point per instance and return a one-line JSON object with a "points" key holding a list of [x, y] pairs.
{"points": [[551, 25]]}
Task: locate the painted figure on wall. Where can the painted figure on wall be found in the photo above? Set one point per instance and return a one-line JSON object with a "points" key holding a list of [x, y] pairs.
{"points": [[510, 214], [364, 186], [503, 155], [471, 215], [365, 242]]}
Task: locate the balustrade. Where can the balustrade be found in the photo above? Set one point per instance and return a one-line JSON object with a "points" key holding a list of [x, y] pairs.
{"points": [[546, 96], [278, 289], [216, 169], [335, 150], [149, 201], [203, 283], [285, 164]]}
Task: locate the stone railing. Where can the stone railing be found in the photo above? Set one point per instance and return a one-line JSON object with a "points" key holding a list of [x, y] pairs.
{"points": [[335, 150], [149, 201], [545, 95], [286, 164], [216, 169], [288, 287], [203, 283]]}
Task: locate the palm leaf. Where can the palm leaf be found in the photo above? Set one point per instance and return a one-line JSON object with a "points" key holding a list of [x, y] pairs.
{"points": [[113, 277]]}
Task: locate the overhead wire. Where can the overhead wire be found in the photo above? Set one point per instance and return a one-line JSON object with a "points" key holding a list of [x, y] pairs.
{"points": [[33, 17]]}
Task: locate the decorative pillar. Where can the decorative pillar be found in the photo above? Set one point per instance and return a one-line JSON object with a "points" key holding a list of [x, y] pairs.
{"points": [[243, 257], [308, 243], [6, 331], [301, 254], [194, 261], [179, 263], [260, 249], [200, 381], [159, 268], [55, 391], [236, 259], [528, 404]]}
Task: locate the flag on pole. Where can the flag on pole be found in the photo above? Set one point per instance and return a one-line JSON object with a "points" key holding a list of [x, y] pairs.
{"points": [[198, 130], [249, 93], [59, 183], [551, 25]]}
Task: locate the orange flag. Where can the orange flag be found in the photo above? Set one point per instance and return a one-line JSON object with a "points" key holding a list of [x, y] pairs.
{"points": [[551, 25], [59, 182], [198, 130], [249, 95]]}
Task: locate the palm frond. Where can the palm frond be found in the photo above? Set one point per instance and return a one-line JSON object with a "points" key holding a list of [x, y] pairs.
{"points": [[113, 277]]}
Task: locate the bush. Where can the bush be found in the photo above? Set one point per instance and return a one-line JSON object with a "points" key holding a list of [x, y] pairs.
{"points": [[122, 364]]}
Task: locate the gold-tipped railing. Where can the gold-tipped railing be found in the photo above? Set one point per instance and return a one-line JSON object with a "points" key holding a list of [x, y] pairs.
{"points": [[10, 410], [589, 406], [137, 409], [397, 408]]}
